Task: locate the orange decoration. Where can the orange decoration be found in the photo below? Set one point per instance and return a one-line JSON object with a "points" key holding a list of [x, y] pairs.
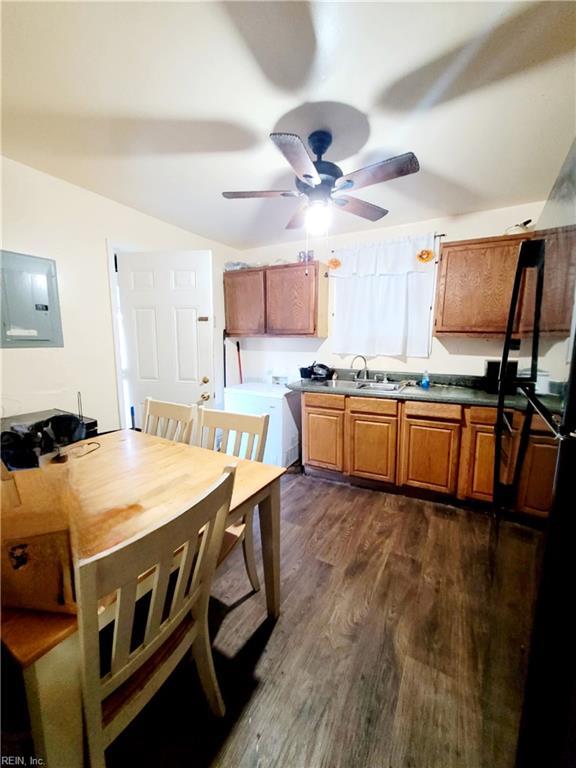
{"points": [[334, 263], [425, 255]]}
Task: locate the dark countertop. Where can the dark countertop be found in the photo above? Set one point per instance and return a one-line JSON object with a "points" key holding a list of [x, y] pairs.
{"points": [[438, 393]]}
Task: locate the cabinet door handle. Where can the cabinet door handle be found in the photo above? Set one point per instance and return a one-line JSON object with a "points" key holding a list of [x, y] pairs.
{"points": [[205, 396]]}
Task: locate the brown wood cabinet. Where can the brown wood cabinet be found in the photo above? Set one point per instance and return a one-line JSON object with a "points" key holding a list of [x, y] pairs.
{"points": [[286, 300], [475, 281], [476, 472], [435, 446], [476, 277], [323, 431], [559, 281], [429, 446], [291, 298], [244, 299], [537, 475], [370, 438]]}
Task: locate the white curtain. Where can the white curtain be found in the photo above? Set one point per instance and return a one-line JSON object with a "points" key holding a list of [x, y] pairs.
{"points": [[383, 298]]}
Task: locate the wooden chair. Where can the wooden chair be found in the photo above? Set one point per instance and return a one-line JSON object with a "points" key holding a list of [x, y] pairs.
{"points": [[174, 421], [176, 622], [243, 436]]}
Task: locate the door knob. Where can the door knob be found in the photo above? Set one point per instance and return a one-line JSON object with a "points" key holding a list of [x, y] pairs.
{"points": [[205, 379], [205, 396]]}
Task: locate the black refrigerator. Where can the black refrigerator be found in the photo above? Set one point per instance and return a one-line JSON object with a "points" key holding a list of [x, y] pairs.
{"points": [[547, 735]]}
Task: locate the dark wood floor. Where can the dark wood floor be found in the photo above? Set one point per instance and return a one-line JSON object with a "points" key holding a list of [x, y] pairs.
{"points": [[394, 648]]}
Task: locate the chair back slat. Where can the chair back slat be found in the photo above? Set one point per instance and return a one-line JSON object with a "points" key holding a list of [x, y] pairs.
{"points": [[173, 421], [246, 433], [170, 546], [237, 444], [250, 445], [224, 437], [159, 590], [183, 581], [210, 439], [152, 423], [124, 621]]}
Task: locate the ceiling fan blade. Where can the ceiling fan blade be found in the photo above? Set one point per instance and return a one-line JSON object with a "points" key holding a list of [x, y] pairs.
{"points": [[402, 165], [297, 220], [263, 193], [360, 207], [293, 149]]}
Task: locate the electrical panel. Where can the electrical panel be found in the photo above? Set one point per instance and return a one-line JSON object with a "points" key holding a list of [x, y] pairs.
{"points": [[30, 304]]}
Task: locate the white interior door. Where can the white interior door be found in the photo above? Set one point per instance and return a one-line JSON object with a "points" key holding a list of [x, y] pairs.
{"points": [[166, 328]]}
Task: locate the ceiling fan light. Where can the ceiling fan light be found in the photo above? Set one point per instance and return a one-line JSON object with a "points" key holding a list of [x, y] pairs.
{"points": [[318, 217]]}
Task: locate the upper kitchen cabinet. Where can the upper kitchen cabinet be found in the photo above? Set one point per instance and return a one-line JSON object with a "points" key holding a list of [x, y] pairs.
{"points": [[291, 299], [287, 300], [244, 299], [475, 281], [559, 280]]}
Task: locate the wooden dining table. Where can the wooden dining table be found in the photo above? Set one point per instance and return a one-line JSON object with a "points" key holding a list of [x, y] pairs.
{"points": [[131, 482]]}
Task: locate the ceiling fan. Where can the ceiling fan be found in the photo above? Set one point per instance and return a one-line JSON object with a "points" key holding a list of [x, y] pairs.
{"points": [[322, 182]]}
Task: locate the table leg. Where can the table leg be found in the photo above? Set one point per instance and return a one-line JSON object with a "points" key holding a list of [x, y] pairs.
{"points": [[269, 516], [54, 700]]}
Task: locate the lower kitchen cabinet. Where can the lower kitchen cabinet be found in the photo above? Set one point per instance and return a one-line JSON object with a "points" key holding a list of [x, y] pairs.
{"points": [[434, 446], [370, 438], [323, 431], [537, 476], [476, 472], [429, 446]]}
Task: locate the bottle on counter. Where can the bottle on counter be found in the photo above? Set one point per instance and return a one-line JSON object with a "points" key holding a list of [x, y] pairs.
{"points": [[425, 381]]}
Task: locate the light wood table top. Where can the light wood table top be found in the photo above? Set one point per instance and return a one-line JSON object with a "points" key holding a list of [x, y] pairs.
{"points": [[132, 482], [135, 481]]}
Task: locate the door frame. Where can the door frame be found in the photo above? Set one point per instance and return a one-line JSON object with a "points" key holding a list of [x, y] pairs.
{"points": [[112, 247]]}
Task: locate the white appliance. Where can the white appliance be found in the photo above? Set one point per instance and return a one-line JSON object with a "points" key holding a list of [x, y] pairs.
{"points": [[283, 406]]}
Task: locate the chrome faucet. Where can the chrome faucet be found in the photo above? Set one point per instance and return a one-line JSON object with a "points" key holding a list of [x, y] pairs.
{"points": [[364, 370]]}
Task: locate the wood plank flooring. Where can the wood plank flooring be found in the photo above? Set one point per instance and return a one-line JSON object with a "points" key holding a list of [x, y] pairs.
{"points": [[395, 648]]}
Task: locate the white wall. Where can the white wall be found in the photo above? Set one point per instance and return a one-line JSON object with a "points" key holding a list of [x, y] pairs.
{"points": [[262, 357], [48, 217]]}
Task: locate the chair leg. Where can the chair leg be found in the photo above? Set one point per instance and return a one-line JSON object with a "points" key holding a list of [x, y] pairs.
{"points": [[248, 550], [202, 653]]}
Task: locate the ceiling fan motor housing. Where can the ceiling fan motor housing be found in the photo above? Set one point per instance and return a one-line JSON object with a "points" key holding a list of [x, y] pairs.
{"points": [[328, 172], [319, 141]]}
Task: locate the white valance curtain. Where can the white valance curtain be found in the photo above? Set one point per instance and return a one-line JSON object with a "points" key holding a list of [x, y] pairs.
{"points": [[383, 298]]}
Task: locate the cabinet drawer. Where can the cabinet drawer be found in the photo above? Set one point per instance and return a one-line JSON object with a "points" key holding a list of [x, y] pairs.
{"points": [[320, 400], [486, 415], [539, 425], [372, 405], [433, 410]]}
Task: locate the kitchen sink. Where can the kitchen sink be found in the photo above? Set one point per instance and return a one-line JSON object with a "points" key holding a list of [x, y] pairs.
{"points": [[375, 386], [381, 386]]}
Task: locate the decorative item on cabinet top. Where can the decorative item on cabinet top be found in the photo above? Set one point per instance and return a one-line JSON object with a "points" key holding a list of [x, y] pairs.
{"points": [[283, 300]]}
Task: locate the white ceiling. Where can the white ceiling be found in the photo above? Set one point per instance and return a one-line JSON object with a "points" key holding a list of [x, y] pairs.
{"points": [[162, 106]]}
